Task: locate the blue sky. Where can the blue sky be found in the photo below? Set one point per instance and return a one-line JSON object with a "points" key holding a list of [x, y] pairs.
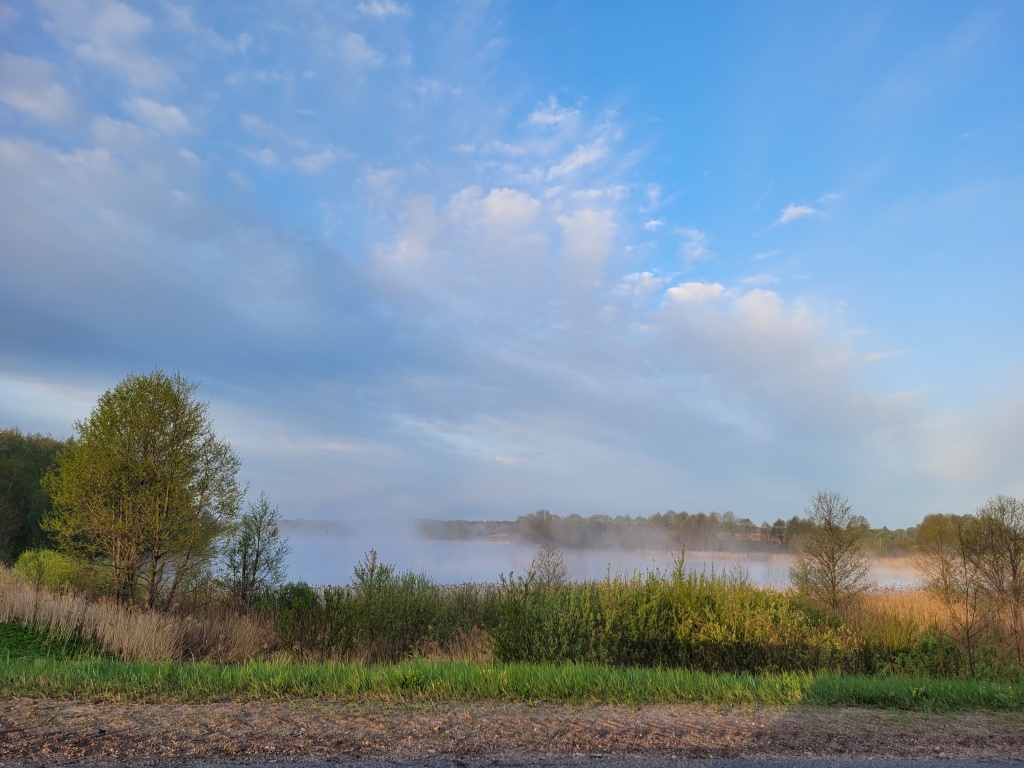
{"points": [[470, 259]]}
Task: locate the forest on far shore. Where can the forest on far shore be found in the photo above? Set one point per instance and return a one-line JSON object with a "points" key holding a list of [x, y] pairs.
{"points": [[700, 531]]}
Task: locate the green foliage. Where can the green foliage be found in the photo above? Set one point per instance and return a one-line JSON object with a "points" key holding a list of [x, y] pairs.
{"points": [[48, 569], [146, 487], [20, 641], [253, 556], [383, 616], [24, 459], [832, 567], [676, 620], [104, 679]]}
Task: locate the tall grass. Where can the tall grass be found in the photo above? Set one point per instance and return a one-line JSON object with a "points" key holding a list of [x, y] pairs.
{"points": [[135, 634], [709, 623], [420, 680]]}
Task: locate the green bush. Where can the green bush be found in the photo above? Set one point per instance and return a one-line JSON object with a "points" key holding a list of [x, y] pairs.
{"points": [[383, 616], [658, 620], [48, 569]]}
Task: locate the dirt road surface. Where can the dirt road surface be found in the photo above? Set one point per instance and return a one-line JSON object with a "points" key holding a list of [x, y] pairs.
{"points": [[45, 732]]}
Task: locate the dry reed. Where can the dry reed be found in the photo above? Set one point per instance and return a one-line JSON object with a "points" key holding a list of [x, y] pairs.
{"points": [[135, 634]]}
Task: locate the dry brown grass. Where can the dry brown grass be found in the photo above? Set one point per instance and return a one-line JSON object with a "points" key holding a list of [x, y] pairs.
{"points": [[476, 646], [135, 634], [896, 618]]}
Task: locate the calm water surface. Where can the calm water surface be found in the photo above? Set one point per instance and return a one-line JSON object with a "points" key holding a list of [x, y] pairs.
{"points": [[329, 559]]}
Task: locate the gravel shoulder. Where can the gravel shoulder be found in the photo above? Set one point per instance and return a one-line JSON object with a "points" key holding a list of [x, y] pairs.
{"points": [[38, 732]]}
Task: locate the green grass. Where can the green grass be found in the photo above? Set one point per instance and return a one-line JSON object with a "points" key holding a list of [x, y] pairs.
{"points": [[96, 678], [19, 641]]}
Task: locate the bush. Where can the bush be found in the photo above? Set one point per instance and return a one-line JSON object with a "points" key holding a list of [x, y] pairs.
{"points": [[707, 623], [47, 569]]}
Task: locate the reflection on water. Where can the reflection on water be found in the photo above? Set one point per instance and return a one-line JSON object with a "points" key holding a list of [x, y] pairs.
{"points": [[326, 560]]}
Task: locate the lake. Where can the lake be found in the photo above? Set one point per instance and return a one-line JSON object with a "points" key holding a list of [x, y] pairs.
{"points": [[328, 559]]}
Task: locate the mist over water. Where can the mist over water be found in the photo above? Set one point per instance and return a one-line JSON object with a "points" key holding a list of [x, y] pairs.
{"points": [[327, 558]]}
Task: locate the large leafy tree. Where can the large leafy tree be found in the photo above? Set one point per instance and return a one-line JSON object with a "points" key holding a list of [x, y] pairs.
{"points": [[146, 487], [831, 565]]}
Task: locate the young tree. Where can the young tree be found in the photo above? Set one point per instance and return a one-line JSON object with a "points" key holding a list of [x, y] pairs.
{"points": [[145, 486], [946, 557], [255, 553], [831, 566], [1000, 561], [547, 568]]}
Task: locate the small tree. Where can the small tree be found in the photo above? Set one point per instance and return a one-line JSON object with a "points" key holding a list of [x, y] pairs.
{"points": [[255, 553], [547, 568], [831, 566], [947, 559], [145, 487], [999, 555]]}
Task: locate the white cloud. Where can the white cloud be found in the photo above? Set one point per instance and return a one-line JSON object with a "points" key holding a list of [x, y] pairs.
{"points": [[695, 291], [584, 155], [317, 161], [639, 285], [875, 357], [504, 148], [8, 15], [243, 42], [265, 156], [510, 210], [587, 240], [27, 84], [830, 197], [257, 126], [695, 245], [792, 212], [762, 255], [181, 18], [358, 53], [553, 115], [381, 9], [654, 225], [762, 278], [166, 118], [383, 185], [109, 34]]}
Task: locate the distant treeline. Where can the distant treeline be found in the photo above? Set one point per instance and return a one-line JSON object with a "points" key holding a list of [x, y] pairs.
{"points": [[24, 459], [713, 531]]}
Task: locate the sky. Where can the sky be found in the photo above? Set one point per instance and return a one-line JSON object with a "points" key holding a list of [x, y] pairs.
{"points": [[463, 259]]}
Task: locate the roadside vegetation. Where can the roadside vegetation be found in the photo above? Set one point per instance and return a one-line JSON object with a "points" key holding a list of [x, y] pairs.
{"points": [[141, 573]]}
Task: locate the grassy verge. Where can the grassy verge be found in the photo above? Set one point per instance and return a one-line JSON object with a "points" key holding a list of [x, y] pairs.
{"points": [[96, 678]]}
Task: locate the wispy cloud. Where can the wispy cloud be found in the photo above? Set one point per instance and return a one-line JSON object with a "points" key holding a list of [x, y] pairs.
{"points": [[108, 34], [318, 161], [359, 54], [583, 155], [381, 9], [181, 18], [762, 278], [654, 225], [551, 114], [695, 245], [265, 156], [27, 84], [165, 118], [792, 212]]}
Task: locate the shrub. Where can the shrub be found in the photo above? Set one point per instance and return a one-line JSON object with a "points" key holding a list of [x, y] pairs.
{"points": [[48, 569]]}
